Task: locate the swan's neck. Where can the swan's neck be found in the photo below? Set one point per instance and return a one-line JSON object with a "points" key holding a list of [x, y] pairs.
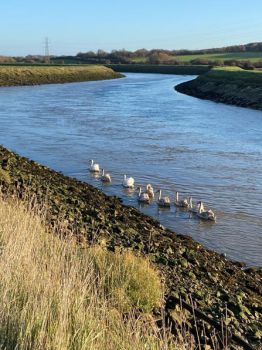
{"points": [[140, 190], [124, 177], [190, 202], [160, 193], [103, 172], [92, 162], [177, 196], [201, 207]]}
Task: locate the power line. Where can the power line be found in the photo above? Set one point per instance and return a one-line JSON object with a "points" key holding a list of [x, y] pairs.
{"points": [[47, 53]]}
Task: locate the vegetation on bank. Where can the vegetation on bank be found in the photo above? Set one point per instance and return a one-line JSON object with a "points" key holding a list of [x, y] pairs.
{"points": [[215, 289], [58, 294], [231, 85], [34, 75], [236, 73]]}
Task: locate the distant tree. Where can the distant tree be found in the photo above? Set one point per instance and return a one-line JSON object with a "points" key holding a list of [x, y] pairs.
{"points": [[246, 65], [258, 64], [141, 53], [7, 59], [200, 61], [101, 53], [230, 63]]}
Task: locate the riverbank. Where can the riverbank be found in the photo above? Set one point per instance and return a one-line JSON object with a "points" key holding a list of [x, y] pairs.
{"points": [[230, 85], [158, 68], [35, 75], [187, 267]]}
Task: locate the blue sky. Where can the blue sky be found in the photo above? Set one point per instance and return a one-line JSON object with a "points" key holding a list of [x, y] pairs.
{"points": [[83, 25]]}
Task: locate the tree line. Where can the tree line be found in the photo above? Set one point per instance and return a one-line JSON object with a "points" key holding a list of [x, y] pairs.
{"points": [[144, 56]]}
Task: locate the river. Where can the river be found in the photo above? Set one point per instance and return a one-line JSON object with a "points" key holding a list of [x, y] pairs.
{"points": [[141, 126]]}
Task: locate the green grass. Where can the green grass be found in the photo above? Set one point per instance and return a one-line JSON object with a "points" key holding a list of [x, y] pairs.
{"points": [[239, 56], [33, 75], [236, 73]]}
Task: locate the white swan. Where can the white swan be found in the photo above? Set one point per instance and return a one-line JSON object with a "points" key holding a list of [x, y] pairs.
{"points": [[143, 197], [205, 214], [128, 182], [182, 203], [94, 167], [105, 177], [193, 208], [150, 191], [163, 202]]}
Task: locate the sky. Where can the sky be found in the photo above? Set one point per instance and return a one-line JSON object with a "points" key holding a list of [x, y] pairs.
{"points": [[74, 26]]}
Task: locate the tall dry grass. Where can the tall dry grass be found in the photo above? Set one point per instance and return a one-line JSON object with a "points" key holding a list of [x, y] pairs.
{"points": [[57, 294]]}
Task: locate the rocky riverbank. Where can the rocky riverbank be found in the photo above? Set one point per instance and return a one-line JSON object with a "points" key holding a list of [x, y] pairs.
{"points": [[35, 75], [227, 85], [216, 285]]}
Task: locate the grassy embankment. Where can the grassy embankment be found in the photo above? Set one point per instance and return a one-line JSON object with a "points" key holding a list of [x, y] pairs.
{"points": [[163, 69], [217, 286], [229, 85], [58, 294], [34, 75]]}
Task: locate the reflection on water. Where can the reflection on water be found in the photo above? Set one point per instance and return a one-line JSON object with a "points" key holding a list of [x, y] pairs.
{"points": [[142, 127]]}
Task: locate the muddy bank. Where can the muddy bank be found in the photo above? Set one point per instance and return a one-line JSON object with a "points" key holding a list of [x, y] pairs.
{"points": [[35, 75], [235, 87], [188, 268]]}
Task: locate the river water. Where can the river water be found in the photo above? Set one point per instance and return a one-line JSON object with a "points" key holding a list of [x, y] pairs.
{"points": [[140, 126]]}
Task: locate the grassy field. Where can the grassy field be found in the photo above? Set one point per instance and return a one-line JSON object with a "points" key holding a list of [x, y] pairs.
{"points": [[239, 56], [34, 75], [236, 73]]}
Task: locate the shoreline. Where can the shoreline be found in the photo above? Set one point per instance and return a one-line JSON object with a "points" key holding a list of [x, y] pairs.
{"points": [[187, 267], [232, 86], [39, 75]]}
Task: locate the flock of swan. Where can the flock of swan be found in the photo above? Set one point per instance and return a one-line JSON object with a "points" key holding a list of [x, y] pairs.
{"points": [[148, 195]]}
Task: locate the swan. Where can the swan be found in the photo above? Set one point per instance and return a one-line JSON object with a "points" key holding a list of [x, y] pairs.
{"points": [[193, 208], [150, 191], [105, 177], [94, 167], [128, 182], [182, 203], [163, 202], [143, 197], [205, 214]]}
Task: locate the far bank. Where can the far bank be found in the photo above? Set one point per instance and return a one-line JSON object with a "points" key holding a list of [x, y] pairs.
{"points": [[160, 68], [230, 85], [36, 75]]}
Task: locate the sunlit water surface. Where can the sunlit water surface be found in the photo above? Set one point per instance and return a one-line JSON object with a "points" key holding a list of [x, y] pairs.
{"points": [[140, 126]]}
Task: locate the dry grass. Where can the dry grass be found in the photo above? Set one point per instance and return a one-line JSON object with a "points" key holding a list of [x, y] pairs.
{"points": [[33, 75], [56, 294]]}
